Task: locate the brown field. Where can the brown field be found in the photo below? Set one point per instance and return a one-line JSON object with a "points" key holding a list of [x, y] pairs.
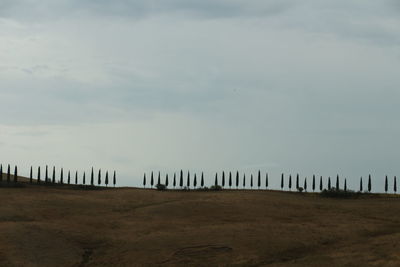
{"points": [[62, 226]]}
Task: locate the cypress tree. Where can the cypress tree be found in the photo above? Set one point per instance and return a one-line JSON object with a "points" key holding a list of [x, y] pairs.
{"points": [[216, 179], [47, 175], [266, 180], [181, 179], [69, 177], [92, 177], [297, 182], [386, 184], [151, 180], [159, 178], [290, 182], [259, 179], [337, 182], [106, 181], [237, 179], [195, 181], [230, 179], [1, 172], [30, 175], [202, 180], [8, 173], [76, 177], [166, 180], [395, 185], [345, 184], [244, 180], [84, 178], [188, 180], [282, 181], [99, 178], [62, 176], [115, 178], [313, 183], [144, 180], [38, 175], [305, 184], [361, 185], [174, 183], [15, 174], [320, 184], [329, 183], [223, 179], [369, 183], [251, 181], [54, 175]]}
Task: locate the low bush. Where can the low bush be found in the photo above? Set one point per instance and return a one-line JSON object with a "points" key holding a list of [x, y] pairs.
{"points": [[161, 187], [216, 188], [333, 193]]}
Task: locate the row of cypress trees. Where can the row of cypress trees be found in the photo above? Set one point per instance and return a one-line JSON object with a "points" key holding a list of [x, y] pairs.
{"points": [[230, 181], [54, 180]]}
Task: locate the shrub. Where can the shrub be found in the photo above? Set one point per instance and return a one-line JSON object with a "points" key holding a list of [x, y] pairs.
{"points": [[161, 187], [216, 188], [333, 193], [300, 189]]}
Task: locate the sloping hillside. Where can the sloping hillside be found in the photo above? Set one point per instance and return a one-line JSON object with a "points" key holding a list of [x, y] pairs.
{"points": [[63, 226]]}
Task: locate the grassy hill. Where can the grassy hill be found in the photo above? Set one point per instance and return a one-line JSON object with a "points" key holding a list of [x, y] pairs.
{"points": [[68, 226]]}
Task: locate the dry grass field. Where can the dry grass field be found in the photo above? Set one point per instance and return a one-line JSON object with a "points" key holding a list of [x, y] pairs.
{"points": [[63, 226]]}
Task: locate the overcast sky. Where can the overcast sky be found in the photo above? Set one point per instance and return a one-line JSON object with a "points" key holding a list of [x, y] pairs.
{"points": [[277, 85]]}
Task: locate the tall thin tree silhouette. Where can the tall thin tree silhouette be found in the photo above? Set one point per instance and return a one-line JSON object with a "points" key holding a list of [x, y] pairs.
{"points": [[46, 175], [337, 182], [144, 180], [115, 178], [181, 180], [151, 180], [76, 177], [244, 180], [84, 178], [305, 184], [230, 180], [369, 183], [361, 185], [290, 182], [15, 174], [159, 178], [345, 184], [54, 175], [92, 177], [282, 181], [251, 181], [321, 186], [195, 181], [69, 177], [259, 179], [329, 183], [386, 184], [297, 182], [30, 175], [202, 180], [38, 175], [188, 180], [166, 180], [106, 181], [216, 179], [99, 177], [223, 179], [8, 173], [395, 184], [313, 183], [174, 183], [237, 179], [62, 176], [1, 172], [266, 180]]}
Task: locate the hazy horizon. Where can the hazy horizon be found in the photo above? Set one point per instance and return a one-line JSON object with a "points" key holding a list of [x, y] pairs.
{"points": [[284, 86]]}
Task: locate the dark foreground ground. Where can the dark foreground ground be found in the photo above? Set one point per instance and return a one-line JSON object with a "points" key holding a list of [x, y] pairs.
{"points": [[53, 226]]}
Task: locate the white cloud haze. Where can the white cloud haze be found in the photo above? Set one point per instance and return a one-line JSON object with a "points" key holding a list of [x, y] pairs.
{"points": [[281, 86]]}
